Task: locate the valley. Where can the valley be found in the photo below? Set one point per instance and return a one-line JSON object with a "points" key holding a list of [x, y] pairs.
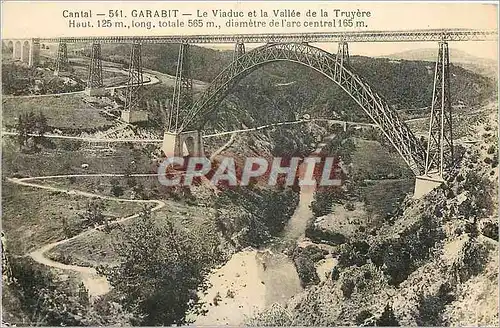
{"points": [[90, 224]]}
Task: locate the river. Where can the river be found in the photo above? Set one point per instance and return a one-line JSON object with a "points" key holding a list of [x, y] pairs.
{"points": [[254, 279]]}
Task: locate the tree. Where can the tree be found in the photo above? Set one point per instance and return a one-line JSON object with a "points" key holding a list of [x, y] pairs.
{"points": [[93, 214], [324, 198], [40, 125], [22, 131], [37, 297], [129, 170], [161, 268], [116, 188], [276, 208], [66, 228], [31, 126], [43, 300]]}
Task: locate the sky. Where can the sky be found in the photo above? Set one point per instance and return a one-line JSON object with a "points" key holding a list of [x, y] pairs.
{"points": [[481, 49], [45, 19]]}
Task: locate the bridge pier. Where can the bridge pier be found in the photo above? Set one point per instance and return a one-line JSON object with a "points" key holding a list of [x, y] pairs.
{"points": [[239, 50], [343, 53], [183, 90], [34, 56], [425, 184], [95, 86], [62, 63], [15, 47], [188, 143], [439, 159], [342, 59], [131, 112]]}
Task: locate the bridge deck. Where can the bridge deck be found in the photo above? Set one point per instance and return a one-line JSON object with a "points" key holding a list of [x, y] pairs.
{"points": [[355, 36]]}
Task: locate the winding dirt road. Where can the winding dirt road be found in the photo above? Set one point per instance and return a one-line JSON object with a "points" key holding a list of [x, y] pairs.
{"points": [[96, 284], [153, 79]]}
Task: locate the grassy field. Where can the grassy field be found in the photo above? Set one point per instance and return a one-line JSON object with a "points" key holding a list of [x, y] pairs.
{"points": [[62, 112], [99, 247], [463, 124], [110, 78], [383, 197], [32, 218], [67, 158], [372, 160]]}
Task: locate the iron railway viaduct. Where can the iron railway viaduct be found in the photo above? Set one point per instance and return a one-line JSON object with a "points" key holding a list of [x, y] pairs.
{"points": [[430, 164]]}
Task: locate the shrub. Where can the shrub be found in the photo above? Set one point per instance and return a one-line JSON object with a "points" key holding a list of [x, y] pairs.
{"points": [[353, 254], [349, 206], [304, 260], [362, 316], [471, 261], [492, 149], [323, 201], [494, 161], [161, 268], [431, 307], [319, 235], [116, 188], [387, 319], [490, 229], [347, 288], [400, 256]]}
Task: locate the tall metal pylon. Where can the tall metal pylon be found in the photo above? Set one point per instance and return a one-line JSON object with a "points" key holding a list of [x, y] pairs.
{"points": [[343, 53], [183, 90], [239, 50], [439, 158], [62, 62], [94, 79], [342, 57], [135, 78]]}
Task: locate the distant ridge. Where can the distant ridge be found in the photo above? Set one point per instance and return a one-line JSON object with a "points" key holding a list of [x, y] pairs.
{"points": [[483, 66]]}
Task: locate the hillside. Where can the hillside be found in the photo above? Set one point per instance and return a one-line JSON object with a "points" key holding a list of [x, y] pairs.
{"points": [[296, 90], [405, 84], [206, 63], [433, 262], [483, 66], [363, 254]]}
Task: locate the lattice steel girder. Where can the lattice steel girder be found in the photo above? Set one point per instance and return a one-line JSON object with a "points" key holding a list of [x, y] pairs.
{"points": [[373, 104], [355, 36], [135, 77], [182, 98], [439, 157], [62, 62], [94, 79]]}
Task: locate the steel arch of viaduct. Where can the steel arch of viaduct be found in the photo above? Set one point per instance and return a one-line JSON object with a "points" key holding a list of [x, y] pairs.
{"points": [[398, 133]]}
